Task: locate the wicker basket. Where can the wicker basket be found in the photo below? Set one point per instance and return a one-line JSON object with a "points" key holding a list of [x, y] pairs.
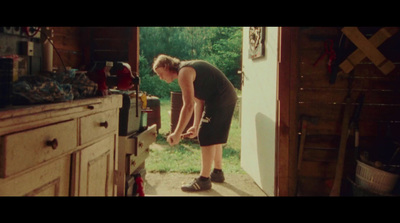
{"points": [[375, 179], [358, 191]]}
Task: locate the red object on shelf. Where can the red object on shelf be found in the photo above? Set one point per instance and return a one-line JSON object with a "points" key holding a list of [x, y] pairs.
{"points": [[139, 183], [125, 78]]}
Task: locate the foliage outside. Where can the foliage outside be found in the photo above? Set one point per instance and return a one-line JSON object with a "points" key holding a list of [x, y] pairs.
{"points": [[220, 46]]}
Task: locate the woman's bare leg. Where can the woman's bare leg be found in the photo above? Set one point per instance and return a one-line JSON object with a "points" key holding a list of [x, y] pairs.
{"points": [[207, 160], [218, 157]]}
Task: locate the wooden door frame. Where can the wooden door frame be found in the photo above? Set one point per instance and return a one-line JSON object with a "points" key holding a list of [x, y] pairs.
{"points": [[286, 132], [133, 51]]}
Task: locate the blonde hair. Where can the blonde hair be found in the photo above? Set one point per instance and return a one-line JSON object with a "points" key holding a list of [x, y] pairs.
{"points": [[168, 62]]}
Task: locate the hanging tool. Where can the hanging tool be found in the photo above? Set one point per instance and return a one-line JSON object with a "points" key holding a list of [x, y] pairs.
{"points": [[354, 123], [340, 51], [302, 143], [330, 52], [337, 182], [335, 191], [305, 120]]}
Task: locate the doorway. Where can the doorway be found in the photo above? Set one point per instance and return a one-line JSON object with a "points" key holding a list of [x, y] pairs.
{"points": [[221, 47], [259, 105], [265, 112], [268, 110]]}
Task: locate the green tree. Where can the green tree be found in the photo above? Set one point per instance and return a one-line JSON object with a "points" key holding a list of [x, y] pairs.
{"points": [[220, 46], [152, 84], [224, 51]]}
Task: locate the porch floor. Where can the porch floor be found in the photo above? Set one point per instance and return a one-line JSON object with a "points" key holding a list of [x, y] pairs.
{"points": [[168, 184]]}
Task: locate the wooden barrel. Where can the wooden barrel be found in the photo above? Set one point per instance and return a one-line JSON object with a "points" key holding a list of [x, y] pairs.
{"points": [[154, 117], [176, 106]]}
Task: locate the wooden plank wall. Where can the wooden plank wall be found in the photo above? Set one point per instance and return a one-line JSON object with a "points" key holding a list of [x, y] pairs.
{"points": [[68, 43], [80, 47], [317, 98], [110, 43]]}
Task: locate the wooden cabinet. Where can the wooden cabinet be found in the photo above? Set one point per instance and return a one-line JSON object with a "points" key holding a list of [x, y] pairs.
{"points": [[94, 168], [97, 125], [26, 149], [61, 149], [50, 179]]}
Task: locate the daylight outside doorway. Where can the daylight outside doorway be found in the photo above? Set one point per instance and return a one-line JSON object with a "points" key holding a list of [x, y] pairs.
{"points": [[221, 46]]}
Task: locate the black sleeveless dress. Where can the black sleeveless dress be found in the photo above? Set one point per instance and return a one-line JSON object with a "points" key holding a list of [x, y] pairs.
{"points": [[218, 93]]}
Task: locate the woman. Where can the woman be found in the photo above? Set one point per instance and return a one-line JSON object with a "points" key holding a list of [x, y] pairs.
{"points": [[211, 96]]}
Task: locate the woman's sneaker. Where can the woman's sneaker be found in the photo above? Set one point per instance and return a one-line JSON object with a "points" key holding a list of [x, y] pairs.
{"points": [[217, 177], [197, 185]]}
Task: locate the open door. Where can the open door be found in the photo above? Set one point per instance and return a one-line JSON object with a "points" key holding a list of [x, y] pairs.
{"points": [[259, 105]]}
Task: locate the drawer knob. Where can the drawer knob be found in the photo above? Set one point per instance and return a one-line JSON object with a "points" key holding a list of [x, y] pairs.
{"points": [[91, 107], [104, 124], [53, 143], [140, 144]]}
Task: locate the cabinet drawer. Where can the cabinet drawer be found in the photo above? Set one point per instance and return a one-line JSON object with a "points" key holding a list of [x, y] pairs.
{"points": [[135, 161], [22, 150], [97, 125], [145, 139], [136, 143]]}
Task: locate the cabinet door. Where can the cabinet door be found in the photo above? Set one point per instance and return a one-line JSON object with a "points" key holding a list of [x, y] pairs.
{"points": [[51, 179], [94, 169]]}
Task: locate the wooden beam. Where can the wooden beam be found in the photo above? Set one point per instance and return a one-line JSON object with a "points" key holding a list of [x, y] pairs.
{"points": [[367, 48], [286, 154], [133, 52]]}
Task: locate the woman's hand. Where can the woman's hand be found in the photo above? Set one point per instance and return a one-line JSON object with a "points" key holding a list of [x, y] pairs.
{"points": [[173, 139], [190, 133]]}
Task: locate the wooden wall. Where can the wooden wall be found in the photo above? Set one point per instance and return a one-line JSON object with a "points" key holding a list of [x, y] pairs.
{"points": [[324, 102], [68, 42], [79, 47]]}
